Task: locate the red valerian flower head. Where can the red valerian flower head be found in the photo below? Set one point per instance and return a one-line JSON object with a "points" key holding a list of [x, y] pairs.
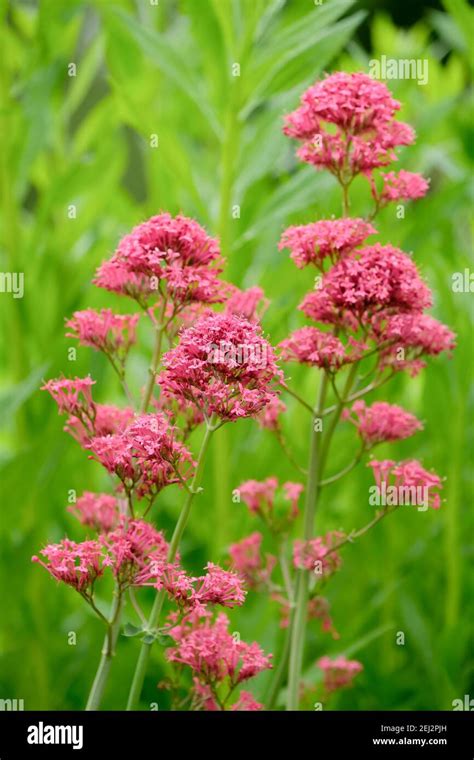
{"points": [[381, 422], [371, 280], [407, 482], [269, 417], [137, 552], [260, 499], [146, 456], [106, 419], [339, 672], [318, 554], [327, 239], [410, 337], [346, 123], [113, 275], [105, 331], [99, 511], [77, 565], [219, 586], [355, 103], [223, 365], [213, 654], [175, 254], [250, 304], [400, 186], [248, 561], [311, 346], [72, 396]]}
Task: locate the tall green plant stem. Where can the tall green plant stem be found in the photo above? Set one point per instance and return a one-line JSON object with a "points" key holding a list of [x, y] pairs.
{"points": [[159, 330], [108, 651], [317, 458], [153, 620]]}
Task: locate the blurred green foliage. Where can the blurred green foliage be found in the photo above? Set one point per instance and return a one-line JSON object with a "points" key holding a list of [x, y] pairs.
{"points": [[166, 70]]}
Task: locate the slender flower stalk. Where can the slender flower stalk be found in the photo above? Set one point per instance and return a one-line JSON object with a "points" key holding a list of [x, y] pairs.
{"points": [[108, 652]]}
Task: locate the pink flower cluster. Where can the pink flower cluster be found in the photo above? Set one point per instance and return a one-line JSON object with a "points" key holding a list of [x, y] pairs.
{"points": [[346, 124], [269, 417], [400, 186], [311, 346], [214, 655], [260, 497], [134, 551], [414, 484], [104, 419], [381, 422], [171, 255], [327, 239], [137, 552], [223, 365], [338, 673], [145, 457], [373, 279], [318, 554], [99, 511], [77, 565], [105, 331], [248, 561], [250, 304], [416, 335], [72, 396]]}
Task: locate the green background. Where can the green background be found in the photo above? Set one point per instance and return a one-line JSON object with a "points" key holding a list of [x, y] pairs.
{"points": [[85, 140]]}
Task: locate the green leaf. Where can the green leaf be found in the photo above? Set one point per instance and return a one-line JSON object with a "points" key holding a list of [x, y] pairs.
{"points": [[130, 630], [161, 51]]}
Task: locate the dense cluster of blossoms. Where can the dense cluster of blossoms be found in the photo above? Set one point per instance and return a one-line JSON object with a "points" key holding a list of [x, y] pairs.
{"points": [[76, 564], [106, 419], [217, 659], [86, 419], [400, 186], [378, 278], [318, 554], [250, 304], [328, 239], [416, 335], [311, 346], [145, 457], [346, 125], [223, 366], [99, 511], [248, 561], [72, 396], [269, 417], [114, 334], [134, 551], [172, 257], [409, 478], [381, 422], [338, 673]]}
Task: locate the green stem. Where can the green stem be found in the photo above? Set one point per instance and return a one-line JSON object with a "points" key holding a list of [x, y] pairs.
{"points": [[154, 364], [279, 675], [318, 456], [108, 652], [298, 623], [143, 658]]}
